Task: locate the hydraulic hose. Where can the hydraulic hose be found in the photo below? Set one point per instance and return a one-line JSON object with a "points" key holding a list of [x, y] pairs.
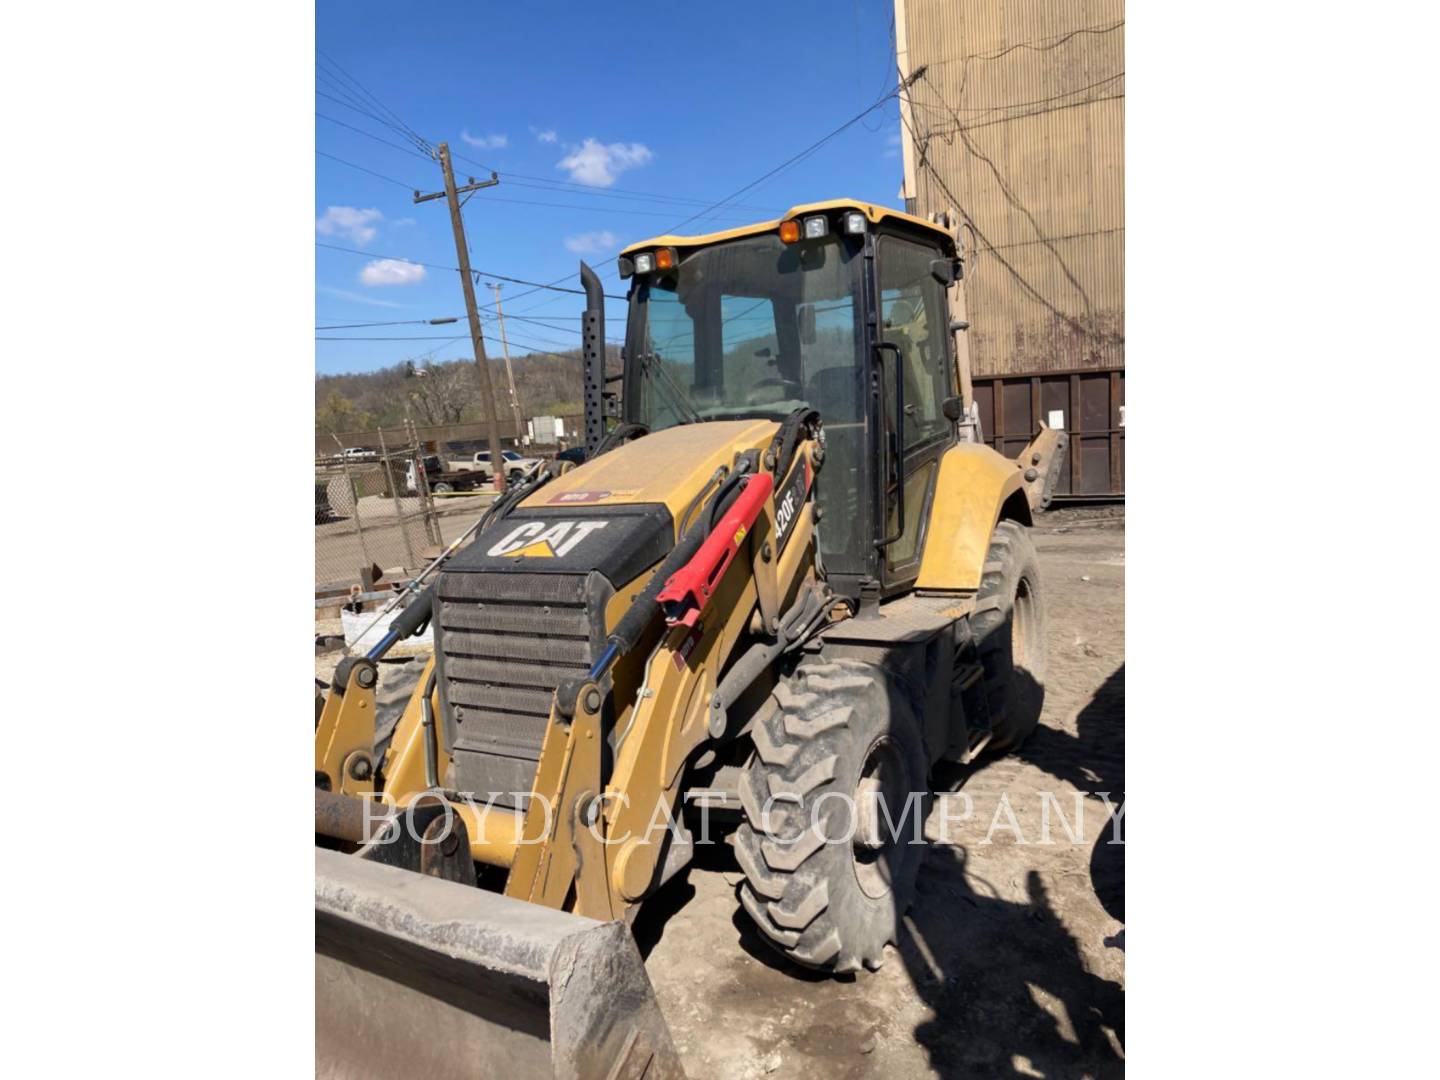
{"points": [[633, 623]]}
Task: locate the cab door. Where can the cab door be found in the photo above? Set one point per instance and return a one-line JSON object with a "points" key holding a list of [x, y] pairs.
{"points": [[917, 373]]}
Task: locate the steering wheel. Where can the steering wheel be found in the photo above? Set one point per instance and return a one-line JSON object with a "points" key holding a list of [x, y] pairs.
{"points": [[789, 388]]}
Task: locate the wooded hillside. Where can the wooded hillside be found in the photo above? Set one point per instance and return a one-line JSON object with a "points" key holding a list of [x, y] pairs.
{"points": [[448, 392]]}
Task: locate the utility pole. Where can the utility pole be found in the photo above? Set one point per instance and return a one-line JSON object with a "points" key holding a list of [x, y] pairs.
{"points": [[451, 195], [509, 371]]}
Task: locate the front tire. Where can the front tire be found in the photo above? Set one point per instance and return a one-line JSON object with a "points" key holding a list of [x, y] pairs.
{"points": [[1009, 627], [826, 878]]}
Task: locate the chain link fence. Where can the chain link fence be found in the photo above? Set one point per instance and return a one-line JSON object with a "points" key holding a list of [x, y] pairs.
{"points": [[373, 508]]}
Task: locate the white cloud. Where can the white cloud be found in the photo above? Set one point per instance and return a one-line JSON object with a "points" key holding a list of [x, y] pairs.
{"points": [[546, 136], [591, 243], [354, 224], [399, 221], [392, 272], [358, 298], [892, 145], [486, 142], [598, 164]]}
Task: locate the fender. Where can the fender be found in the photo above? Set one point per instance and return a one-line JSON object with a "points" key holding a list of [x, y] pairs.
{"points": [[975, 488]]}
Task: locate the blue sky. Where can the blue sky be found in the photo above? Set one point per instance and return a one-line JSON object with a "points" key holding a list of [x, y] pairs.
{"points": [[631, 117]]}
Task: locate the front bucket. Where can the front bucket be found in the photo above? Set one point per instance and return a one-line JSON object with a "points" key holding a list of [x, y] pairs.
{"points": [[418, 976]]}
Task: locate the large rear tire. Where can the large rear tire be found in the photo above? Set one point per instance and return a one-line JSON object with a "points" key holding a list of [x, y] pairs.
{"points": [[1009, 628], [827, 878]]}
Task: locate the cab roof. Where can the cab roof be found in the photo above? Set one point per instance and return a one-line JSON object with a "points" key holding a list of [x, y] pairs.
{"points": [[876, 215]]}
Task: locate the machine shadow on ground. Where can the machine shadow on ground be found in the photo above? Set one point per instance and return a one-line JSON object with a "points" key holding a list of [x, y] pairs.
{"points": [[1007, 981]]}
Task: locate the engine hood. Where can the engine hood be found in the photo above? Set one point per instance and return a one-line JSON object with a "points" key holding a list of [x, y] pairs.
{"points": [[666, 467]]}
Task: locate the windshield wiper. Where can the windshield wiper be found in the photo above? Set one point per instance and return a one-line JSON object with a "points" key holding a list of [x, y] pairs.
{"points": [[678, 397]]}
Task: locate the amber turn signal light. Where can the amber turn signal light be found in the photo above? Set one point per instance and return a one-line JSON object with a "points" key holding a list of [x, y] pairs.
{"points": [[789, 231]]}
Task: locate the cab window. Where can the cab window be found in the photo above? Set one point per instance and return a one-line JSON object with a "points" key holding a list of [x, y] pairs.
{"points": [[912, 313]]}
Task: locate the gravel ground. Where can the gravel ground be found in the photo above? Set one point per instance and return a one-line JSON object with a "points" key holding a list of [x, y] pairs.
{"points": [[1011, 962]]}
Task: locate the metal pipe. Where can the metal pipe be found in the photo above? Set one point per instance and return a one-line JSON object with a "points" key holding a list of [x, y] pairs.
{"points": [[495, 831], [427, 715], [606, 658], [345, 817]]}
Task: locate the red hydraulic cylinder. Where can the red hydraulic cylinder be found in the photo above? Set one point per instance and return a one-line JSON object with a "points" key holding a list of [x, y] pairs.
{"points": [[689, 589]]}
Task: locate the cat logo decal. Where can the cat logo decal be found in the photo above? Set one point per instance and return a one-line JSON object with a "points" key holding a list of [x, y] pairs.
{"points": [[534, 540]]}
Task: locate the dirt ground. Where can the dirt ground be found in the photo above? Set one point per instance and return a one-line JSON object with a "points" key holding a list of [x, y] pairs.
{"points": [[1011, 962], [340, 551]]}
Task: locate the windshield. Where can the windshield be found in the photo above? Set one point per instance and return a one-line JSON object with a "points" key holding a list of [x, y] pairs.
{"points": [[749, 328]]}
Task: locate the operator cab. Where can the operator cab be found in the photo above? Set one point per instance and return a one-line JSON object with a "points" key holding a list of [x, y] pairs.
{"points": [[839, 306]]}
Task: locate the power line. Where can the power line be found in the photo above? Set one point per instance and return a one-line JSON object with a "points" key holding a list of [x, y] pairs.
{"points": [[368, 135], [954, 111], [411, 132], [990, 248], [576, 206], [456, 269], [534, 350], [349, 100], [807, 151], [499, 198], [362, 168], [760, 180], [611, 192], [363, 113], [1033, 44], [1017, 206], [400, 322]]}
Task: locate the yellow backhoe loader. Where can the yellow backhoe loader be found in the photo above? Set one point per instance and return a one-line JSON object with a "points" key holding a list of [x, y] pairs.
{"points": [[781, 589]]}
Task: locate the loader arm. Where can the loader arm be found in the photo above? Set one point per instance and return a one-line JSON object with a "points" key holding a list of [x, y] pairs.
{"points": [[607, 835]]}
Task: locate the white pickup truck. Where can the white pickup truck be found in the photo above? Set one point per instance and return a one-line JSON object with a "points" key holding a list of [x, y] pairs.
{"points": [[516, 467]]}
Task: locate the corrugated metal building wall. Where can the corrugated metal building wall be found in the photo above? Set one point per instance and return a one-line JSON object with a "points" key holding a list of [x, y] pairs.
{"points": [[1017, 122]]}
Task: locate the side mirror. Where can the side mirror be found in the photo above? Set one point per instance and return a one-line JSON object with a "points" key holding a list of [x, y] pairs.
{"points": [[953, 408], [943, 271], [807, 324]]}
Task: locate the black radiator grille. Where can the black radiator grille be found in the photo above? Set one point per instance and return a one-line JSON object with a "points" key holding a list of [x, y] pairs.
{"points": [[504, 641]]}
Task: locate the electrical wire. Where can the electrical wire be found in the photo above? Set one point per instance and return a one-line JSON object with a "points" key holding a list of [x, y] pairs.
{"points": [[419, 139], [797, 158], [609, 192], [1033, 44], [730, 199], [368, 135], [364, 325], [372, 172], [993, 251], [456, 269], [1017, 206]]}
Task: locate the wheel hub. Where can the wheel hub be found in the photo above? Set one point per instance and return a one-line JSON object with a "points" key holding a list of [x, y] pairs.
{"points": [[880, 801]]}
